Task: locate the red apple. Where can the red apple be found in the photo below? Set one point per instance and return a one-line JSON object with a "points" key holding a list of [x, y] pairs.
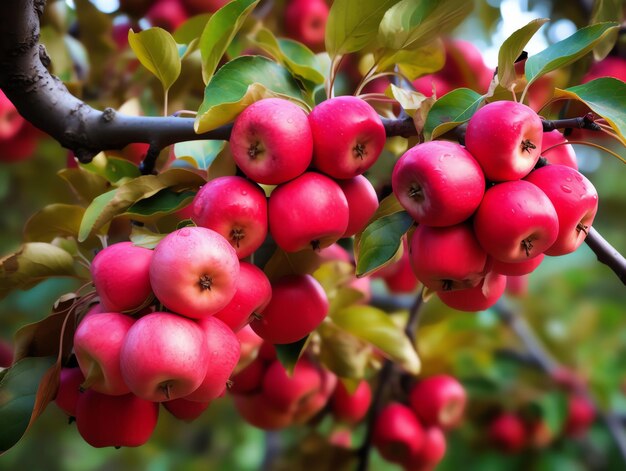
{"points": [[6, 354], [121, 275], [10, 119], [250, 342], [250, 379], [439, 183], [465, 67], [362, 203], [271, 141], [21, 146], [517, 285], [98, 342], [576, 202], [439, 401], [204, 6], [186, 410], [69, 390], [558, 152], [164, 357], [401, 279], [351, 407], [235, 208], [516, 221], [580, 417], [432, 84], [298, 305], [611, 66], [223, 354], [285, 392], [478, 298], [505, 138], [194, 272], [432, 452], [104, 420], [167, 14], [255, 410], [398, 434], [312, 404], [517, 268], [305, 21], [334, 252], [348, 136], [309, 211], [507, 433], [447, 258]]}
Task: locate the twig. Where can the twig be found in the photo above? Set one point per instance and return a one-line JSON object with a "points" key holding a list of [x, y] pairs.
{"points": [[582, 122], [607, 254]]}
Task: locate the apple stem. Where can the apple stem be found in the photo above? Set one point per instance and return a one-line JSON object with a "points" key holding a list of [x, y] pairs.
{"points": [[254, 150], [527, 245], [446, 285], [527, 145], [236, 235], [205, 282], [165, 387], [315, 245], [359, 151], [582, 227], [416, 192]]}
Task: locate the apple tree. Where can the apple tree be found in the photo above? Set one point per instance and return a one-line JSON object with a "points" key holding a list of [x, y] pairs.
{"points": [[326, 233]]}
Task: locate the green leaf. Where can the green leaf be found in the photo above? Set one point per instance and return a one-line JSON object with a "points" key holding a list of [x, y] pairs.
{"points": [[296, 57], [113, 203], [289, 353], [380, 241], [200, 154], [343, 353], [112, 168], [452, 109], [413, 63], [33, 263], [164, 202], [86, 185], [553, 409], [157, 51], [376, 327], [55, 220], [512, 48], [606, 10], [240, 83], [220, 31], [566, 51], [20, 388], [144, 237], [191, 29], [410, 24], [605, 96], [352, 24]]}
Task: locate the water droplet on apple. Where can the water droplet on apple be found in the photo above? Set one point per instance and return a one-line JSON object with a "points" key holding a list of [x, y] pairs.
{"points": [[566, 188], [568, 179]]}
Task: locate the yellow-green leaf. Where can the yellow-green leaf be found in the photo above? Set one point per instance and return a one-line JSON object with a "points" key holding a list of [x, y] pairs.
{"points": [[157, 51], [55, 220], [413, 63]]}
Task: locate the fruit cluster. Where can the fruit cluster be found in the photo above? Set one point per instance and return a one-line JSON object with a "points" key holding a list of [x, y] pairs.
{"points": [[484, 211], [413, 436]]}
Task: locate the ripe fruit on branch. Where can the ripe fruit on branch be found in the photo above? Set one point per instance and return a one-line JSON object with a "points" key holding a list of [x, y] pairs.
{"points": [[362, 203], [298, 305], [223, 354], [515, 221], [478, 298], [286, 392], [250, 379], [439, 401], [105, 420], [164, 357], [558, 153], [505, 138], [447, 258], [348, 136], [69, 390], [432, 452], [439, 183], [186, 410], [235, 208], [271, 141], [576, 202], [507, 433], [255, 410], [398, 434], [310, 211], [167, 14], [194, 271], [253, 294], [351, 407], [305, 21], [121, 275], [98, 342], [518, 268]]}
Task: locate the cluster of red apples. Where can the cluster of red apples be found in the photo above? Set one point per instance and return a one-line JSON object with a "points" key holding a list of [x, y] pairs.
{"points": [[487, 210], [413, 435]]}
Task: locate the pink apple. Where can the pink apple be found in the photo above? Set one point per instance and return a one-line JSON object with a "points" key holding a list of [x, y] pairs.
{"points": [[271, 141], [507, 433], [69, 390], [399, 277], [98, 342], [312, 404], [164, 357], [255, 410], [250, 342], [348, 136], [432, 84], [253, 294], [351, 407], [611, 66], [10, 119], [194, 272], [516, 221], [223, 354], [439, 183], [465, 66], [334, 252], [285, 392], [186, 410], [478, 298], [362, 203], [505, 138], [576, 202], [121, 274], [235, 208], [310, 211], [250, 379], [517, 285], [518, 268], [104, 420], [21, 146], [447, 258], [558, 151], [432, 452], [305, 21], [398, 435], [439, 401], [167, 14], [298, 305]]}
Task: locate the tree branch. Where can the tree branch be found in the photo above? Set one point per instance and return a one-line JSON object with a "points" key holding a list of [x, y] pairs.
{"points": [[607, 254]]}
